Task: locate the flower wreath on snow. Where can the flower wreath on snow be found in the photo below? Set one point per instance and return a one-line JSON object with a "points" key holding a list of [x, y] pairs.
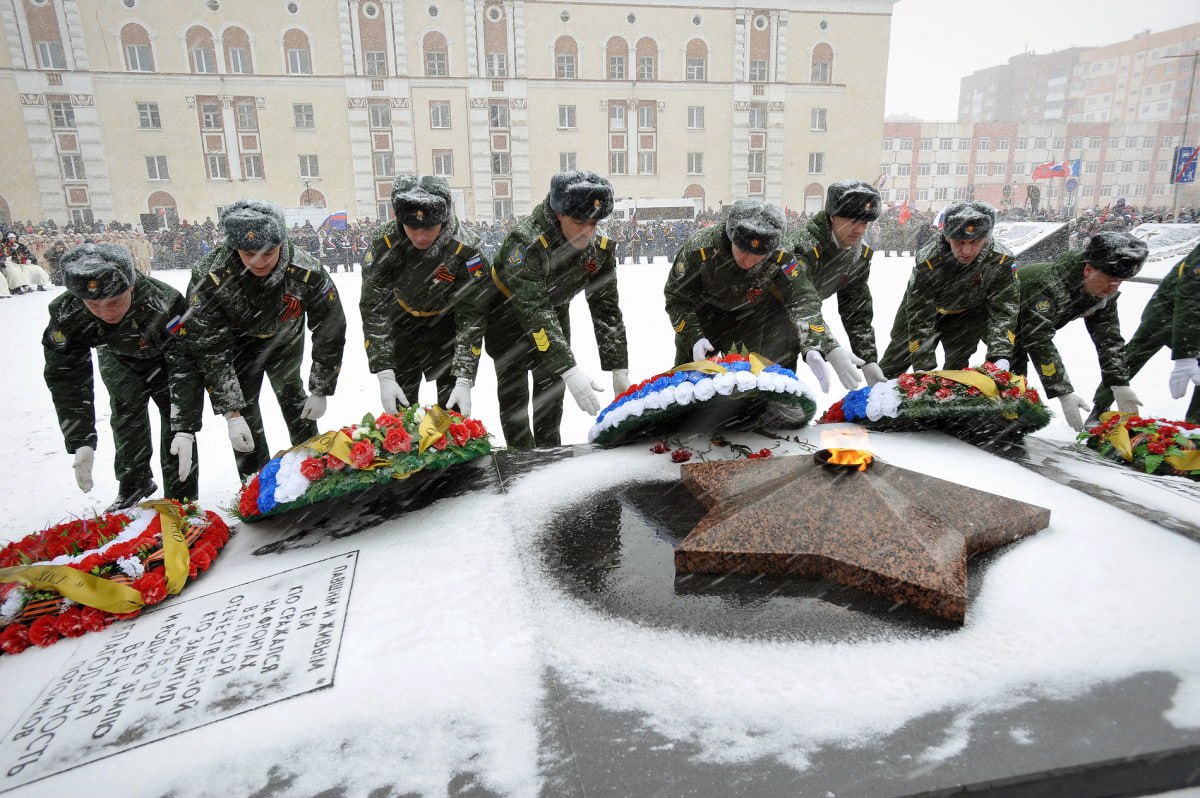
{"points": [[1152, 445], [354, 458], [733, 379], [980, 400], [80, 576]]}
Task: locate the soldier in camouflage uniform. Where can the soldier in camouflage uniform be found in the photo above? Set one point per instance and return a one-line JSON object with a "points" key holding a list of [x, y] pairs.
{"points": [[839, 263], [1171, 319], [546, 260], [250, 297], [732, 286], [962, 291], [1078, 285], [135, 323], [424, 299]]}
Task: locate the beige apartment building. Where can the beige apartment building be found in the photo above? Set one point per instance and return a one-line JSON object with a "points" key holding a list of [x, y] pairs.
{"points": [[129, 107]]}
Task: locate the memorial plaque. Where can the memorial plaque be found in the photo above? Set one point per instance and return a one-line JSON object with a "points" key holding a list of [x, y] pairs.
{"points": [[188, 664]]}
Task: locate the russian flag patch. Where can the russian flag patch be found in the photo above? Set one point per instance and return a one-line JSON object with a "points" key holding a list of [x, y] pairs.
{"points": [[475, 266], [790, 268], [175, 325]]}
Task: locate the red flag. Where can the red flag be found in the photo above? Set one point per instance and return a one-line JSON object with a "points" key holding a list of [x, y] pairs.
{"points": [[905, 213]]}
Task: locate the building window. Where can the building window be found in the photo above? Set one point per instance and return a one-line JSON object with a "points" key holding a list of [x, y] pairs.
{"points": [[905, 144], [82, 216], [964, 144], [156, 167], [647, 69], [1077, 142], [204, 60], [218, 167], [566, 162], [904, 169], [926, 144], [961, 168], [816, 163], [443, 162], [247, 115], [885, 144], [62, 115], [646, 114], [252, 166], [758, 70], [757, 162], [945, 144], [148, 118], [239, 60], [983, 143], [380, 115], [137, 57], [923, 169], [646, 163], [695, 69], [943, 169], [616, 163], [436, 65], [1039, 144], [375, 63], [51, 56], [981, 168], [439, 114], [498, 116], [758, 118], [616, 116], [72, 167], [695, 163], [502, 208], [564, 66], [616, 67], [1002, 144], [309, 166], [502, 163], [385, 164], [566, 116], [497, 65], [210, 116], [821, 69], [695, 117], [939, 194], [298, 62], [302, 114]]}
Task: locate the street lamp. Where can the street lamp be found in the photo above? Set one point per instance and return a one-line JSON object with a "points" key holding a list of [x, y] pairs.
{"points": [[1187, 116], [307, 200]]}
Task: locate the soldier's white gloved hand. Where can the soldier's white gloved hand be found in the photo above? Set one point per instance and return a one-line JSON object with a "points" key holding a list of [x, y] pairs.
{"points": [[239, 433], [84, 457], [1073, 406], [314, 407], [390, 393], [620, 381], [820, 369], [702, 349], [1127, 400], [182, 446], [1001, 363], [460, 397], [873, 374], [1186, 370], [845, 364], [584, 389]]}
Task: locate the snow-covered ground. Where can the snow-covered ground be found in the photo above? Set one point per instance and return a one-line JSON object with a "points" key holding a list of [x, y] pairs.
{"points": [[453, 623]]}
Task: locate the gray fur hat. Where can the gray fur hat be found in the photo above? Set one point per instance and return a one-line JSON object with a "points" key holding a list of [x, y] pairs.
{"points": [[755, 226], [422, 201], [1116, 254], [97, 271], [968, 221], [253, 225], [853, 199], [581, 195]]}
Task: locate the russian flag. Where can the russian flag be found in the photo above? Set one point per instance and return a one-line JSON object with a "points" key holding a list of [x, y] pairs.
{"points": [[335, 221], [1057, 169], [175, 325], [475, 266]]}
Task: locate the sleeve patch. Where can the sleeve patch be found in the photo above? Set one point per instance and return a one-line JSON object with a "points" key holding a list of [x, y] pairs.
{"points": [[913, 346], [475, 266], [1049, 369], [1042, 305], [516, 257], [58, 337], [679, 327], [541, 340], [791, 268]]}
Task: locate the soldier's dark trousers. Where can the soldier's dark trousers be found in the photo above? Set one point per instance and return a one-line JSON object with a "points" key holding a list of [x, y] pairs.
{"points": [[279, 358], [1152, 335], [958, 333], [424, 348], [516, 358], [131, 386], [763, 328]]}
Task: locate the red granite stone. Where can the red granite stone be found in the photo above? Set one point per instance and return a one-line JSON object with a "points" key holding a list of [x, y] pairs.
{"points": [[896, 533]]}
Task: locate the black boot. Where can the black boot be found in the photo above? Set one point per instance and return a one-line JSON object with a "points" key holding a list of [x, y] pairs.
{"points": [[132, 493]]}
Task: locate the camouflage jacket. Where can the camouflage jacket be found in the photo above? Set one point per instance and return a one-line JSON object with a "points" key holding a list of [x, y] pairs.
{"points": [[399, 279], [1051, 295], [538, 272], [1176, 306], [844, 272], [152, 330], [230, 305], [705, 272], [941, 287]]}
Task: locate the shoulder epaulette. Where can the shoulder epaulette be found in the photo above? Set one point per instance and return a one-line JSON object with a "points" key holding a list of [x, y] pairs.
{"points": [[602, 242], [542, 240], [704, 253], [866, 252], [463, 251]]}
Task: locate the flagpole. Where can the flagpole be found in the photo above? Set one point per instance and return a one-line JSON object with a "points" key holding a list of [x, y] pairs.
{"points": [[1187, 117]]}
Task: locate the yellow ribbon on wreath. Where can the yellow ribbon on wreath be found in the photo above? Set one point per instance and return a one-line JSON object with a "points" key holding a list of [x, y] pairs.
{"points": [[78, 586], [432, 427], [1119, 439], [981, 381], [757, 364], [338, 444], [176, 556]]}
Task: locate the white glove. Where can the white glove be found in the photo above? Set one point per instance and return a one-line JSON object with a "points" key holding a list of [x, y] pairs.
{"points": [[239, 434], [314, 407], [84, 457], [1185, 371], [390, 392], [584, 389], [845, 364], [1127, 401], [702, 349], [182, 446], [873, 374], [460, 397], [1072, 407], [820, 369], [1001, 363], [620, 381]]}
